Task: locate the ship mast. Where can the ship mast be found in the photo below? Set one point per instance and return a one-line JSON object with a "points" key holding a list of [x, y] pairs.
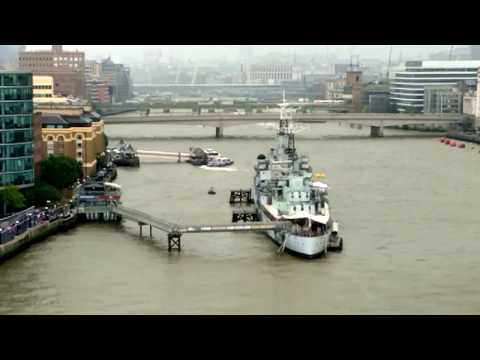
{"points": [[286, 131], [286, 118]]}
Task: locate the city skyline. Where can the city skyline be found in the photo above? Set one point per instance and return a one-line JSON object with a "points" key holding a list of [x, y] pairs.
{"points": [[135, 54]]}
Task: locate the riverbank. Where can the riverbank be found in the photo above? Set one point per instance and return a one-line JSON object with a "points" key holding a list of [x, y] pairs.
{"points": [[35, 234], [456, 135]]}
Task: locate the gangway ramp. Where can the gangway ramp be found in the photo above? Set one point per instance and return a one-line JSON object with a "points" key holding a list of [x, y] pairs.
{"points": [[175, 230], [278, 226], [144, 219]]}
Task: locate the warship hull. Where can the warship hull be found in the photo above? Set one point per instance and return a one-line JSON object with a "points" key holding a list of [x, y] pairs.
{"points": [[305, 246]]}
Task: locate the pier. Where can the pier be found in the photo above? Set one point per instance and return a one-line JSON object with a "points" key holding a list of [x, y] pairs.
{"points": [[166, 155], [175, 231]]}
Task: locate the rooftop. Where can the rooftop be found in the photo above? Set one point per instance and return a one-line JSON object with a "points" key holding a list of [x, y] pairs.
{"points": [[442, 64], [53, 119], [67, 120]]}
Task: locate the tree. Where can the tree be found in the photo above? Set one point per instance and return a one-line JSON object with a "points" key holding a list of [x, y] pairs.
{"points": [[40, 193], [12, 197], [60, 171], [105, 139], [101, 161]]}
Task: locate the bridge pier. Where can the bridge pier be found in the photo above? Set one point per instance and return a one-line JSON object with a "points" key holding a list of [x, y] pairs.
{"points": [[219, 132], [376, 131], [151, 231], [174, 241], [140, 225]]}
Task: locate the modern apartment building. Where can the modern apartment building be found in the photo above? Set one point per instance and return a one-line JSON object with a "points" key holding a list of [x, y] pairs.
{"points": [[16, 112], [98, 91], [66, 67], [335, 89], [443, 99], [117, 76], [407, 90], [471, 104]]}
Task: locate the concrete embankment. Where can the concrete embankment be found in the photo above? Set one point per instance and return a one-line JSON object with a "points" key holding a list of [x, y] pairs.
{"points": [[464, 137], [35, 234]]}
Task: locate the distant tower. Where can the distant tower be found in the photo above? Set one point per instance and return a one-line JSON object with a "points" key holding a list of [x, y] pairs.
{"points": [[245, 56], [354, 80], [475, 52]]}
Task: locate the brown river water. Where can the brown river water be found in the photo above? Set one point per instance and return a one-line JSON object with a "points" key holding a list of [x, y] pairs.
{"points": [[408, 209]]}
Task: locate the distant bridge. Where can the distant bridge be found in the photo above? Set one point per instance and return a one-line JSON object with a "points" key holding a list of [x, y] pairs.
{"points": [[206, 86], [375, 121], [197, 107]]}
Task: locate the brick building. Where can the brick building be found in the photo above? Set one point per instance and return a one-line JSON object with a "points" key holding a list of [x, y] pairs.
{"points": [[66, 67], [74, 131]]}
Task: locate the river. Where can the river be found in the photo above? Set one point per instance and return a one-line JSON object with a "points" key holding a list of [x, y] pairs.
{"points": [[408, 210]]}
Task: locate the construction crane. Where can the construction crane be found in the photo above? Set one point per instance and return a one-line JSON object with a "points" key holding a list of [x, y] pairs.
{"points": [[450, 54], [194, 76], [389, 62], [177, 75], [327, 56]]}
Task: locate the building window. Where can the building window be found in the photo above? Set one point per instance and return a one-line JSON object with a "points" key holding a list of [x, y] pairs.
{"points": [[50, 147]]}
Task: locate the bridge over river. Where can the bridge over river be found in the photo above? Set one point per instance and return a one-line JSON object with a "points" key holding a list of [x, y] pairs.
{"points": [[376, 121]]}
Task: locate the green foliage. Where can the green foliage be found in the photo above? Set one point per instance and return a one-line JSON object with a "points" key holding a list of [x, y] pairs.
{"points": [[101, 161], [105, 139], [12, 197], [60, 171], [40, 193]]}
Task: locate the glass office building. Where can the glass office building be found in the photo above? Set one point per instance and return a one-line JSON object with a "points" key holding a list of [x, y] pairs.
{"points": [[16, 111], [407, 90]]}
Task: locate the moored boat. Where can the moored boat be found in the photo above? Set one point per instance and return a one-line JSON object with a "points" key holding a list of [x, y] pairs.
{"points": [[285, 190]]}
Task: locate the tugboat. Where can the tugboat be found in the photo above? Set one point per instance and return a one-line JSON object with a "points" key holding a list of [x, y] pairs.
{"points": [[285, 190], [211, 191], [219, 161], [208, 157]]}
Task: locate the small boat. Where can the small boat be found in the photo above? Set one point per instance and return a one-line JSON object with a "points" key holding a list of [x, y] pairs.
{"points": [[211, 191], [219, 162]]}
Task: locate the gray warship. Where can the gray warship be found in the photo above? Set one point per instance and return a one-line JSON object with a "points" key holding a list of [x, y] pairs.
{"points": [[285, 190]]}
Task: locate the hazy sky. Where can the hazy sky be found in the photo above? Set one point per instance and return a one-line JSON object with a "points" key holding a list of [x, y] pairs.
{"points": [[136, 53]]}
